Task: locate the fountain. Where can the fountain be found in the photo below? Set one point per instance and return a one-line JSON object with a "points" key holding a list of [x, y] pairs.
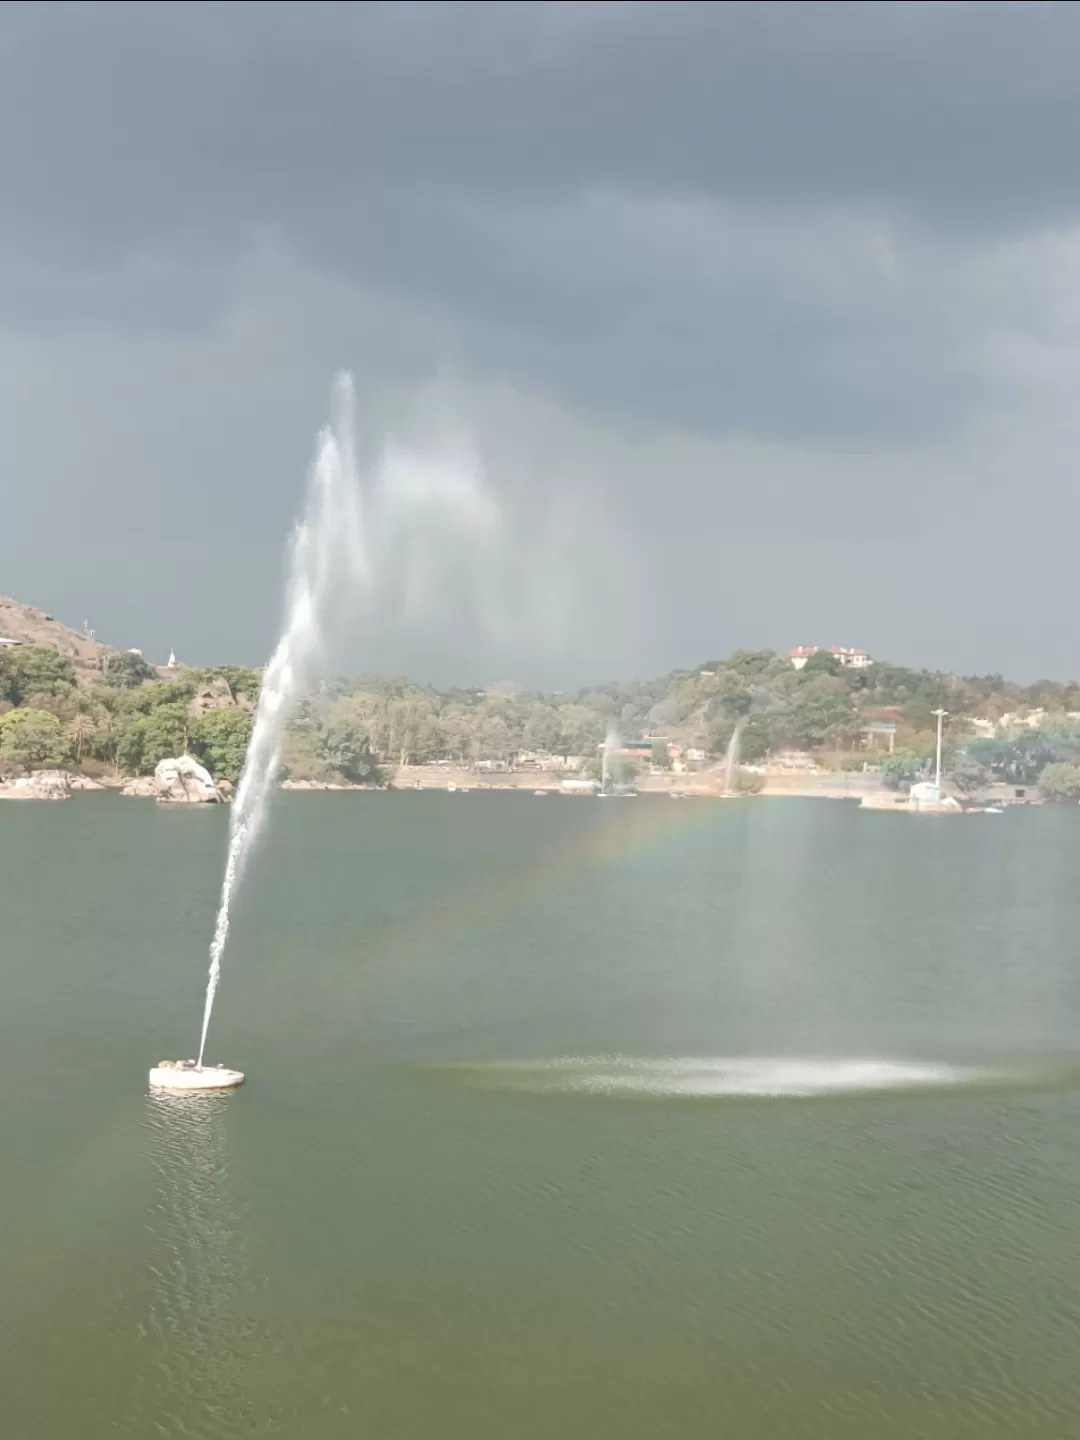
{"points": [[420, 523], [731, 762], [325, 552], [609, 754], [611, 744]]}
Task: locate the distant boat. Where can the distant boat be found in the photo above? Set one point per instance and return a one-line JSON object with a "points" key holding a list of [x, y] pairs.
{"points": [[994, 810], [451, 788]]}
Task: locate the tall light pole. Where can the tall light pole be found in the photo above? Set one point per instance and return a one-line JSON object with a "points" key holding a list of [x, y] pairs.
{"points": [[940, 717]]}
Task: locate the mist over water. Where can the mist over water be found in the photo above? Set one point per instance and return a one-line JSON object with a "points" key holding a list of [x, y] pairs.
{"points": [[749, 1077]]}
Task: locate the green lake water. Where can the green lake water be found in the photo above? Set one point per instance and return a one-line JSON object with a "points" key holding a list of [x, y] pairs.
{"points": [[592, 1121]]}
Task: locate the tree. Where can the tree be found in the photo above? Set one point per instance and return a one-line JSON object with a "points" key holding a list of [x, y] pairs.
{"points": [[220, 738], [822, 662], [967, 775], [346, 749], [335, 752], [126, 670], [27, 670], [413, 731], [32, 740], [901, 768], [166, 732], [129, 744], [755, 739], [821, 713], [1058, 781], [496, 740], [541, 730], [239, 678], [83, 730], [579, 729]]}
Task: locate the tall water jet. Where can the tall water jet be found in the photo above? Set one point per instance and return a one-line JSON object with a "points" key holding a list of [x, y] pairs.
{"points": [[731, 759], [326, 552], [612, 745]]}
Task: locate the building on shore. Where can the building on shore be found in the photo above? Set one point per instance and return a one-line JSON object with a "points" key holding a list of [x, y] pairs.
{"points": [[850, 659]]}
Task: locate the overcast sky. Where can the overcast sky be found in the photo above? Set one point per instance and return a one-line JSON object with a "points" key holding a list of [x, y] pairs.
{"points": [[760, 322]]}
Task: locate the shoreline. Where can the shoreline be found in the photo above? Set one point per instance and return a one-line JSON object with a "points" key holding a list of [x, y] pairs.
{"points": [[856, 786]]}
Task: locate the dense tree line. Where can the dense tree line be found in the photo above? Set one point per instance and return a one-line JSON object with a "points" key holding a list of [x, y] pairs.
{"points": [[135, 715]]}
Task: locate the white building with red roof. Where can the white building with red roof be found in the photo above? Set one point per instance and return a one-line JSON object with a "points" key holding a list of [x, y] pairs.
{"points": [[853, 659]]}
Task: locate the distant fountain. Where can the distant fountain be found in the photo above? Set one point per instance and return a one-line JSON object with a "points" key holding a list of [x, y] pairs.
{"points": [[612, 746], [326, 553], [731, 760]]}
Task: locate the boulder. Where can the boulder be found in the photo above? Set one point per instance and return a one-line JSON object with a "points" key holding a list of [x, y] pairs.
{"points": [[185, 781], [41, 785], [141, 785], [180, 781]]}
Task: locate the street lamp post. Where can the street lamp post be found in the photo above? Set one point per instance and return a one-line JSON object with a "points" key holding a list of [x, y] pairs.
{"points": [[940, 717]]}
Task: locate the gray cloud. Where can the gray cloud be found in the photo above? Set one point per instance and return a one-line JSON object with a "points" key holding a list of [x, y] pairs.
{"points": [[645, 190], [157, 118], [745, 307]]}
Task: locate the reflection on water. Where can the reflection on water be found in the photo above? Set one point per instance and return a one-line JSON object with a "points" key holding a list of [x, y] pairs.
{"points": [[722, 1077], [197, 1332]]}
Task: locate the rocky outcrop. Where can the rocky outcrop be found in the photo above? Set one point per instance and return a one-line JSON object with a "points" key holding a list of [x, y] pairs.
{"points": [[27, 625], [216, 695], [185, 781], [40, 785], [140, 786], [180, 781]]}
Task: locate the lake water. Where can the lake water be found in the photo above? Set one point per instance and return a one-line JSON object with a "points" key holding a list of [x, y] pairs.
{"points": [[642, 1119]]}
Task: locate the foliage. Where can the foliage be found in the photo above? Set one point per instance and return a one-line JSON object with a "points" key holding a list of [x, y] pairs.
{"points": [[901, 769], [1060, 781], [747, 782], [822, 663], [32, 740], [240, 679], [967, 775], [132, 718], [1021, 758], [220, 739], [337, 750], [125, 670], [34, 670]]}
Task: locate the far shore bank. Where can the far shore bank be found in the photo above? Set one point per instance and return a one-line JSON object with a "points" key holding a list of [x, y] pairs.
{"points": [[705, 784]]}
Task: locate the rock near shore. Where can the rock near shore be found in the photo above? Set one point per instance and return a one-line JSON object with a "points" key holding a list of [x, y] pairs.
{"points": [[179, 781], [40, 785]]}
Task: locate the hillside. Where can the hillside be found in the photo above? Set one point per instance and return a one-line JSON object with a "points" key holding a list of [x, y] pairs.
{"points": [[35, 627], [67, 698]]}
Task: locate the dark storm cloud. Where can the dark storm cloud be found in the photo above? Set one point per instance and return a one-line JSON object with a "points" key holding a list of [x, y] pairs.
{"points": [[127, 124], [450, 151], [746, 306]]}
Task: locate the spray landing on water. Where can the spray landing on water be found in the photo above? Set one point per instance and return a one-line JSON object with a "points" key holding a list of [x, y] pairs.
{"points": [[326, 555]]}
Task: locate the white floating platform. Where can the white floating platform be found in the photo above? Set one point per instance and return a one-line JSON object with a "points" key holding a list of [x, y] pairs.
{"points": [[185, 1075]]}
